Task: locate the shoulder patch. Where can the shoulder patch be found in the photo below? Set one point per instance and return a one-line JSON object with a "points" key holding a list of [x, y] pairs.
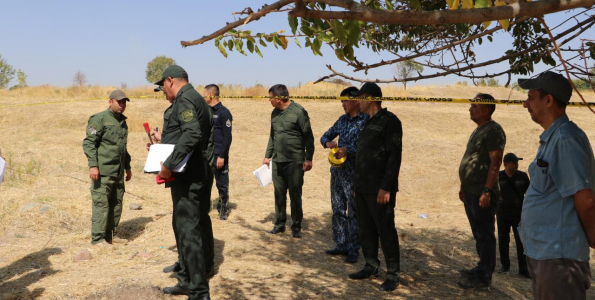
{"points": [[187, 115], [228, 123], [397, 138], [92, 130], [376, 127]]}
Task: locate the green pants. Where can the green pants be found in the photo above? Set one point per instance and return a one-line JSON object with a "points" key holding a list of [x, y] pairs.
{"points": [[377, 221], [107, 193], [288, 176], [194, 234]]}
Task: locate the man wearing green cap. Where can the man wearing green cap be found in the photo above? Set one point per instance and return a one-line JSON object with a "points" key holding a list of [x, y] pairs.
{"points": [[188, 124], [105, 148]]}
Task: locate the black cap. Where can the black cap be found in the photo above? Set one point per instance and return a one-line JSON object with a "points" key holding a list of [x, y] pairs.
{"points": [[158, 89], [553, 83], [511, 157], [369, 88], [173, 71]]}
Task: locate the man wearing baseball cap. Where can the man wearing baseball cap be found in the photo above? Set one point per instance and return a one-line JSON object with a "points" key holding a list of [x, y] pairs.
{"points": [[188, 124], [513, 186], [558, 218], [376, 183], [105, 148]]}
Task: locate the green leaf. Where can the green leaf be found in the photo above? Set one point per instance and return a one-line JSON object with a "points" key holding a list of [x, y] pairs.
{"points": [[306, 29], [353, 32], [483, 3], [222, 50], [239, 44], [293, 23], [348, 51], [257, 50], [340, 55], [325, 37], [284, 42], [230, 45], [389, 5], [250, 46], [415, 4], [263, 43], [339, 31], [316, 44], [297, 42]]}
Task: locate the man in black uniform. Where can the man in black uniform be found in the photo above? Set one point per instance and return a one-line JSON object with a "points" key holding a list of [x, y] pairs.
{"points": [[513, 186], [188, 125], [222, 141], [376, 180]]}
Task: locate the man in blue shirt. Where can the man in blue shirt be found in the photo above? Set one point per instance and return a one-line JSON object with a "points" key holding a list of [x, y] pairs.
{"points": [[222, 141], [344, 221], [558, 217]]}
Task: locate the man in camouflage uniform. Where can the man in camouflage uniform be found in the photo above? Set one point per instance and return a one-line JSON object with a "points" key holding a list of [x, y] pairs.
{"points": [[105, 148]]}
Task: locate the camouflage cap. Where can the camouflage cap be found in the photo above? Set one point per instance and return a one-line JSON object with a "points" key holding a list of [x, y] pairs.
{"points": [[173, 71], [118, 95]]}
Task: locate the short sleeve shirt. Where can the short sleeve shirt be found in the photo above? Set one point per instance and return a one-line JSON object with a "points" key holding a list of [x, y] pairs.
{"points": [[550, 226], [473, 170]]}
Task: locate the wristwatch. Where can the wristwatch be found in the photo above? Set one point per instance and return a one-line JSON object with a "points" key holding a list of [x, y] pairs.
{"points": [[487, 190]]}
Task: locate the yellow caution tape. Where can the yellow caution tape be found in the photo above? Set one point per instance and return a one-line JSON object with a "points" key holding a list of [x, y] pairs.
{"points": [[395, 99], [335, 162]]}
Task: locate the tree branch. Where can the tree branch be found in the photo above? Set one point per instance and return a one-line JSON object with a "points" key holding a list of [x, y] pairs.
{"points": [[518, 9], [251, 18]]}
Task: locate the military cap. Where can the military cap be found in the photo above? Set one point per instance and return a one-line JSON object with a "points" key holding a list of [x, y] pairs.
{"points": [[173, 71], [118, 95]]}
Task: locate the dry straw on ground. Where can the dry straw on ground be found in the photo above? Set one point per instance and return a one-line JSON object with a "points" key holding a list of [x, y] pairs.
{"points": [[48, 168]]}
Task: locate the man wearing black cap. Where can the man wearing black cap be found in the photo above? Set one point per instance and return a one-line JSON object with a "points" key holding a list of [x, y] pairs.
{"points": [[107, 154], [479, 190], [558, 218], [513, 186], [376, 181], [188, 125]]}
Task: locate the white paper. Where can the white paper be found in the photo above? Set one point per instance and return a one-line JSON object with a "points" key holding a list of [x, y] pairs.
{"points": [[264, 175], [2, 169], [159, 153]]}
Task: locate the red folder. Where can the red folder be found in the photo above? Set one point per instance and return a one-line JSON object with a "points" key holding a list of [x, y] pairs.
{"points": [[161, 180]]}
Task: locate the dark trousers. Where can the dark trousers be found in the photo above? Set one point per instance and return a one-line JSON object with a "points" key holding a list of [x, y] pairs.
{"points": [[504, 225], [288, 176], [483, 228], [377, 221], [559, 278], [194, 234], [344, 221], [222, 182]]}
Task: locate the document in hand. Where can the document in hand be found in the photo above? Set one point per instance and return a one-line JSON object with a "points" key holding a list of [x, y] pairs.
{"points": [[159, 153], [264, 175], [2, 169]]}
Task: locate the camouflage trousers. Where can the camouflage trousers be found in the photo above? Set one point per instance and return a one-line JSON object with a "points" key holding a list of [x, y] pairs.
{"points": [[344, 220], [107, 193]]}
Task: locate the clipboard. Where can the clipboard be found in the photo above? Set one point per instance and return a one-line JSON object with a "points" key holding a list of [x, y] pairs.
{"points": [[159, 153]]}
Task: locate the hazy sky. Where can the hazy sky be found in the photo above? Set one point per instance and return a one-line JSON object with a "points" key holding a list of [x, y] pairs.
{"points": [[112, 42]]}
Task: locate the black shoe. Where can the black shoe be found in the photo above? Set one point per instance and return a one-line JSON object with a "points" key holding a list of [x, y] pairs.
{"points": [[351, 259], [389, 285], [473, 283], [335, 251], [210, 273], [276, 230], [468, 272], [223, 214], [297, 233], [503, 270], [176, 290], [173, 268], [525, 274], [363, 274]]}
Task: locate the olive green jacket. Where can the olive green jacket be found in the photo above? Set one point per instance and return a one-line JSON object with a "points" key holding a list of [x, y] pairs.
{"points": [[188, 124], [291, 137], [105, 143]]}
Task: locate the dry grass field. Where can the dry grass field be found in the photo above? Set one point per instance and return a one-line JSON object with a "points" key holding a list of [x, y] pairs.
{"points": [[45, 206]]}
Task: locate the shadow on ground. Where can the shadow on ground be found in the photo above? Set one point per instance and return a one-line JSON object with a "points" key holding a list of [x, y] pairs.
{"points": [[430, 260], [16, 277], [132, 229]]}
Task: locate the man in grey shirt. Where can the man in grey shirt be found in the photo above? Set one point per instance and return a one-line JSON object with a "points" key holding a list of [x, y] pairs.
{"points": [[558, 217]]}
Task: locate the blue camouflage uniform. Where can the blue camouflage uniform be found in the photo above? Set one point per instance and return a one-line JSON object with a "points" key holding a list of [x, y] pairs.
{"points": [[344, 222], [222, 141]]}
